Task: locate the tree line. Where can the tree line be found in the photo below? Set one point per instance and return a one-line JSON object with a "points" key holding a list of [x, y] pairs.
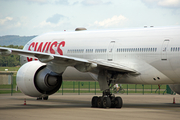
{"points": [[11, 60]]}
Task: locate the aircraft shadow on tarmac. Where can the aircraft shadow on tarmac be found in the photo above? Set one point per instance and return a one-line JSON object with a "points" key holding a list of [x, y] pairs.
{"points": [[163, 105], [66, 103]]}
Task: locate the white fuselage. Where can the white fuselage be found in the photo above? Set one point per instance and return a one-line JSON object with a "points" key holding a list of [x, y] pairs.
{"points": [[153, 52]]}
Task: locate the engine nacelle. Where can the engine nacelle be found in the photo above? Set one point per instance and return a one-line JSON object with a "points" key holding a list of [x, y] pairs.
{"points": [[175, 88], [36, 80]]}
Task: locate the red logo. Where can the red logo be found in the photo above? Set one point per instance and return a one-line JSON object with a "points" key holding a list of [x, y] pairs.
{"points": [[45, 47]]}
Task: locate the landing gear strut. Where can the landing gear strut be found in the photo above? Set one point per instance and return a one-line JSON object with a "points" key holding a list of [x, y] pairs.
{"points": [[107, 101], [107, 80]]}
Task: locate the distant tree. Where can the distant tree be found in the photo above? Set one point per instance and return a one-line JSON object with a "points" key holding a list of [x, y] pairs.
{"points": [[11, 60]]}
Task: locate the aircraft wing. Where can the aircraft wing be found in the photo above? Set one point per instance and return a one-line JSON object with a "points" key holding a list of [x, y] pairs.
{"points": [[81, 64]]}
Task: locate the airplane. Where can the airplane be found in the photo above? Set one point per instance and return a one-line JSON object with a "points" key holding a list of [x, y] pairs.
{"points": [[127, 56]]}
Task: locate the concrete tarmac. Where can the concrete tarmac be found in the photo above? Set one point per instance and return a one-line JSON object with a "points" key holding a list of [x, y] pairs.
{"points": [[78, 107]]}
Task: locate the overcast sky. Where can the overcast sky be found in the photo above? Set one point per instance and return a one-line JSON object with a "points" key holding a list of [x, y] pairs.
{"points": [[34, 17]]}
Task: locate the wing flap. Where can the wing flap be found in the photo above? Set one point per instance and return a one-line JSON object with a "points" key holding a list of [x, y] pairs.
{"points": [[109, 65]]}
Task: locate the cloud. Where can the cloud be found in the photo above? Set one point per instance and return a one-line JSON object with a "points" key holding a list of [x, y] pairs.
{"points": [[53, 22], [62, 2], [75, 3], [55, 18], [12, 24], [41, 2], [59, 2], [170, 3], [115, 21], [32, 1], [94, 2], [163, 3], [45, 27], [5, 20]]}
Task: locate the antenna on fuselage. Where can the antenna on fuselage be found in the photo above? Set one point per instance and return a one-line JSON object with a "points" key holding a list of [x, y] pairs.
{"points": [[80, 29]]}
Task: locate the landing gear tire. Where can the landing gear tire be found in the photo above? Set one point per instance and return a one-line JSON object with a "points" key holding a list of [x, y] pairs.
{"points": [[39, 98], [113, 102], [45, 98], [94, 101], [118, 102], [106, 102], [100, 102]]}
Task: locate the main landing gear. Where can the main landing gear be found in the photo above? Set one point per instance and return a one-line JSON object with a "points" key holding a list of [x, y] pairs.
{"points": [[107, 101], [44, 98]]}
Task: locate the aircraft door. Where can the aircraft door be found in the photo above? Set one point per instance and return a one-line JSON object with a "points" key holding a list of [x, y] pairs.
{"points": [[164, 49], [110, 51]]}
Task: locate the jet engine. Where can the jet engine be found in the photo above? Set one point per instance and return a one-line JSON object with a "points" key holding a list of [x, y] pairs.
{"points": [[36, 80], [175, 88]]}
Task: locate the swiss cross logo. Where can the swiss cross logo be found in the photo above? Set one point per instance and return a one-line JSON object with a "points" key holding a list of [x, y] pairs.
{"points": [[46, 47]]}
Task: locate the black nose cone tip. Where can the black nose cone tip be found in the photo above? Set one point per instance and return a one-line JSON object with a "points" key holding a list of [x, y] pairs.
{"points": [[52, 80]]}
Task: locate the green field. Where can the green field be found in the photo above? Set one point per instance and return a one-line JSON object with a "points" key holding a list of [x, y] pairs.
{"points": [[85, 87], [9, 68], [90, 87]]}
